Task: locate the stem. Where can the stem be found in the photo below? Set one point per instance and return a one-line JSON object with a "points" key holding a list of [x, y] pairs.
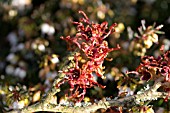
{"points": [[130, 101]]}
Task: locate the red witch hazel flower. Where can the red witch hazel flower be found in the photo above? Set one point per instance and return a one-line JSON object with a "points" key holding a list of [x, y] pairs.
{"points": [[154, 68], [93, 49]]}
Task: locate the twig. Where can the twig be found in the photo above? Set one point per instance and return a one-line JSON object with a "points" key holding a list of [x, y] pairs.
{"points": [[129, 101]]}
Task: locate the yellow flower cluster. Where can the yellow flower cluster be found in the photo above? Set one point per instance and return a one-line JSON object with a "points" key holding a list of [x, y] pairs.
{"points": [[148, 36]]}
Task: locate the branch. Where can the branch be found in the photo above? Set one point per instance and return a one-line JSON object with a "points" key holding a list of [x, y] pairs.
{"points": [[130, 101]]}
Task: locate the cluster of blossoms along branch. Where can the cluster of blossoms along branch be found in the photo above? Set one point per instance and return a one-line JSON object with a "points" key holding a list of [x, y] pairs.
{"points": [[153, 68], [93, 49]]}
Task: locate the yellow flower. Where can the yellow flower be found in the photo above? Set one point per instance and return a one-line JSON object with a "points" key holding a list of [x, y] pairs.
{"points": [[148, 42]]}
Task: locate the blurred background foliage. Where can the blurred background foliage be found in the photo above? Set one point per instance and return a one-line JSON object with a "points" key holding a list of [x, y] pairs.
{"points": [[31, 50]]}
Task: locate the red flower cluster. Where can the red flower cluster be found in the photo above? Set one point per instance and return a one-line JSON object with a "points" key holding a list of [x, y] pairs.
{"points": [[90, 40], [152, 68]]}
